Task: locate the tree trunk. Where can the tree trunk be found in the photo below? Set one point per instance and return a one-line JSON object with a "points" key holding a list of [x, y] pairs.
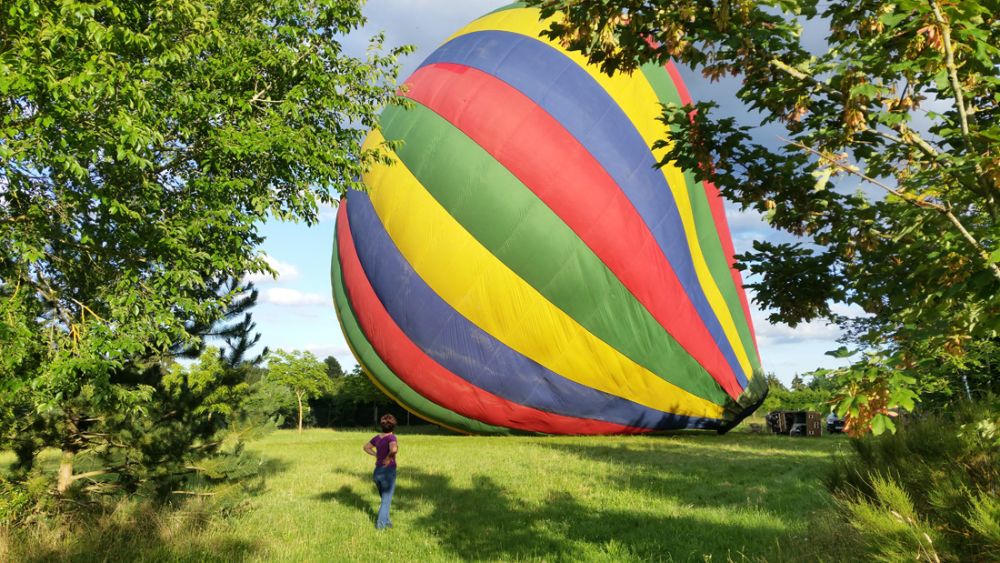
{"points": [[70, 443], [65, 472], [299, 397]]}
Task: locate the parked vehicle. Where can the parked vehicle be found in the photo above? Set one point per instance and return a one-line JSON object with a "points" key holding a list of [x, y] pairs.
{"points": [[834, 424]]}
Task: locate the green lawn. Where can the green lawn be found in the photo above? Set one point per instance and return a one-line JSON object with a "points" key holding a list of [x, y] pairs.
{"points": [[685, 497]]}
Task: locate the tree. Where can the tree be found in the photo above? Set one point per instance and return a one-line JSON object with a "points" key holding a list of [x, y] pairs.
{"points": [[903, 102], [352, 401], [359, 391], [333, 369], [268, 401], [191, 413], [325, 408], [816, 395], [141, 146], [194, 408], [238, 336], [798, 383], [301, 372], [773, 382]]}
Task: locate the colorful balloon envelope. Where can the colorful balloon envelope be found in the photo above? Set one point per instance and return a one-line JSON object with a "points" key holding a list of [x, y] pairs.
{"points": [[523, 265]]}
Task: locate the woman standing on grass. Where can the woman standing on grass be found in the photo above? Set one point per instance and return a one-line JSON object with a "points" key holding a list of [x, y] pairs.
{"points": [[384, 448]]}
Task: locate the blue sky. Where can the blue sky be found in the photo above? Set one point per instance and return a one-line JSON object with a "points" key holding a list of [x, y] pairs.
{"points": [[295, 311]]}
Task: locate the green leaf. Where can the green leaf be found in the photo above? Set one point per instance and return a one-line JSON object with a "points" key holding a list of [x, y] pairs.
{"points": [[866, 90], [880, 423], [845, 406], [842, 352], [890, 19], [822, 177], [995, 256]]}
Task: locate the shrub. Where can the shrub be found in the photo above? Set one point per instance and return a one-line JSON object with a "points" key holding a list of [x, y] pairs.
{"points": [[20, 499], [122, 529], [270, 401], [930, 490], [984, 518], [889, 524]]}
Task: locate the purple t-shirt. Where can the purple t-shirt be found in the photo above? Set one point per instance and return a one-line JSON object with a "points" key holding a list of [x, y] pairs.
{"points": [[381, 444]]}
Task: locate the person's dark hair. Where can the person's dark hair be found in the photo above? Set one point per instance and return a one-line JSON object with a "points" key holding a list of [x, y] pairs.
{"points": [[387, 422]]}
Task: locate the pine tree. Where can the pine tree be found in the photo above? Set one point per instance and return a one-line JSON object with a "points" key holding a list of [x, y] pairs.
{"points": [[238, 335]]}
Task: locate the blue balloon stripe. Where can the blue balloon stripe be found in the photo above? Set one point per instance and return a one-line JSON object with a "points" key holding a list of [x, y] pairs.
{"points": [[571, 96], [475, 355]]}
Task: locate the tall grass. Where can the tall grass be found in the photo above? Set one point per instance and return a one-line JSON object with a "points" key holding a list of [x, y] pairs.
{"points": [[687, 497], [929, 492]]}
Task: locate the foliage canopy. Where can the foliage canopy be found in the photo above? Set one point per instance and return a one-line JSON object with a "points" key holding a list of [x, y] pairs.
{"points": [[902, 102], [141, 146]]}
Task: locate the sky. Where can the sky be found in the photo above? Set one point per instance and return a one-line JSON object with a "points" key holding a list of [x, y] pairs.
{"points": [[295, 311]]}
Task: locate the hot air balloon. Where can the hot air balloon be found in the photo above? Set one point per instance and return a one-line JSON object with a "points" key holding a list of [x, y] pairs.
{"points": [[523, 266]]}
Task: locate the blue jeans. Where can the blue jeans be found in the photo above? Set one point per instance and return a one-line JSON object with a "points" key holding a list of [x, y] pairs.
{"points": [[385, 481]]}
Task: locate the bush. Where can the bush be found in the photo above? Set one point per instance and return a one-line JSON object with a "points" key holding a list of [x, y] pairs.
{"points": [[270, 401], [984, 518], [123, 529], [18, 500], [890, 526], [928, 491]]}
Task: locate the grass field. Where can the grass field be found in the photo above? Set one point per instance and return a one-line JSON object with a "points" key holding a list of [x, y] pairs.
{"points": [[685, 497]]}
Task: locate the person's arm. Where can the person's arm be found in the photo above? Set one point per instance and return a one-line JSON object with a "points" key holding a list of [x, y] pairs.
{"points": [[369, 449], [393, 448]]}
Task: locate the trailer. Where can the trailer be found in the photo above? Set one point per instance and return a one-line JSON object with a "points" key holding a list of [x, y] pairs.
{"points": [[795, 423]]}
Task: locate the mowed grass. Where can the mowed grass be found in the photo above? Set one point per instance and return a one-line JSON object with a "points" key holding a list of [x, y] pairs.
{"points": [[682, 497]]}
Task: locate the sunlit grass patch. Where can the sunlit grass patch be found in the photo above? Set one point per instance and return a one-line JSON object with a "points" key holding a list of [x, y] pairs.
{"points": [[677, 497]]}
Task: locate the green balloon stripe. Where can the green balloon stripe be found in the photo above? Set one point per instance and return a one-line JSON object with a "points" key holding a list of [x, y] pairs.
{"points": [[708, 234], [527, 236], [385, 377]]}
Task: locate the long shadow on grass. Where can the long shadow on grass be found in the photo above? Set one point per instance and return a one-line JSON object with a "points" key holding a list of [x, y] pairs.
{"points": [[271, 466], [351, 499], [485, 521], [778, 487], [782, 478], [693, 496]]}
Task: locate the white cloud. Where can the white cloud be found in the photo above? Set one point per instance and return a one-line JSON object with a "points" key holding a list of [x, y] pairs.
{"points": [[770, 334], [327, 212], [748, 219], [285, 272], [851, 311], [286, 297], [424, 24], [818, 330], [340, 351]]}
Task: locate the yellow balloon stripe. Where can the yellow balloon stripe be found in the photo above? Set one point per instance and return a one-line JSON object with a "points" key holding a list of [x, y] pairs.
{"points": [[467, 276], [636, 98]]}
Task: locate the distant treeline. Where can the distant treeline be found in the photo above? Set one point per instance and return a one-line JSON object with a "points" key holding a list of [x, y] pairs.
{"points": [[812, 392], [344, 399]]}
